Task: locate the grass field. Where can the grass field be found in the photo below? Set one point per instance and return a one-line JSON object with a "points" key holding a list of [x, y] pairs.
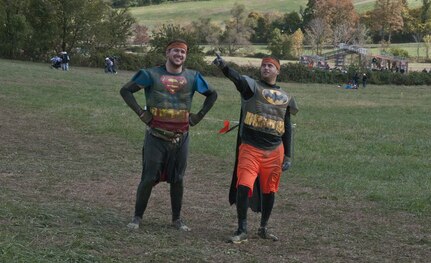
{"points": [[219, 10], [70, 159]]}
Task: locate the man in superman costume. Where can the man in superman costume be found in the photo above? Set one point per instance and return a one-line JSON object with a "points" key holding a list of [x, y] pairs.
{"points": [[169, 91], [264, 140]]}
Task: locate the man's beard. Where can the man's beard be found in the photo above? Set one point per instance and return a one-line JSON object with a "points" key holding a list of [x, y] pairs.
{"points": [[175, 64]]}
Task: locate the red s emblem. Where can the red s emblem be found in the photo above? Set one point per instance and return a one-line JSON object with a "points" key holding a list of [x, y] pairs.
{"points": [[173, 83]]}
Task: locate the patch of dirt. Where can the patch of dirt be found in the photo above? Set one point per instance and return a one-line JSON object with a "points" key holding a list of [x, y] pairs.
{"points": [[45, 161]]}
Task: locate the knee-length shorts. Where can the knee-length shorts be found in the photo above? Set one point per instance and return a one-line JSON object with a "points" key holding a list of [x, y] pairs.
{"points": [[254, 162]]}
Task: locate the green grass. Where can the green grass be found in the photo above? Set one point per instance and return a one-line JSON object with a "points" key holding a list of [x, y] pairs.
{"points": [[70, 163], [379, 133], [219, 11], [185, 12]]}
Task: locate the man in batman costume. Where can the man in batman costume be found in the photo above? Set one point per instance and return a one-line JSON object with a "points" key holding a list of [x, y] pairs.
{"points": [[263, 144]]}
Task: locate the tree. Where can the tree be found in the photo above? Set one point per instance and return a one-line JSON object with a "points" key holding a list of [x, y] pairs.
{"points": [[14, 27], [162, 35], [387, 17], [237, 33], [292, 21], [77, 19], [206, 31], [115, 28], [297, 42], [425, 10], [317, 34], [427, 42], [416, 26], [360, 35], [280, 44], [308, 13], [141, 36], [35, 29], [262, 24], [341, 17]]}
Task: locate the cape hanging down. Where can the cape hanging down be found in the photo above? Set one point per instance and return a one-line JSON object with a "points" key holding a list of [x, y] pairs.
{"points": [[255, 199]]}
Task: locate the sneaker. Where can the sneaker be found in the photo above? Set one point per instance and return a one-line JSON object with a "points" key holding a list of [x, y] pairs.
{"points": [[179, 225], [135, 223], [238, 238], [265, 234]]}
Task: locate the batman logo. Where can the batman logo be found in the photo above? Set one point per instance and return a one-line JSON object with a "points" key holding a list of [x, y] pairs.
{"points": [[275, 97]]}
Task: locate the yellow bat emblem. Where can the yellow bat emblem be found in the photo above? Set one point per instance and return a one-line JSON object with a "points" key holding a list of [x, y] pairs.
{"points": [[275, 97]]}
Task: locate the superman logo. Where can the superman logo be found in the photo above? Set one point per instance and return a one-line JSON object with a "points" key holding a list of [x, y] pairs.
{"points": [[173, 83], [275, 97]]}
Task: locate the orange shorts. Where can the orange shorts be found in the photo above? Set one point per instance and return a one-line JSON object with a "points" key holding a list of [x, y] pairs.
{"points": [[265, 163]]}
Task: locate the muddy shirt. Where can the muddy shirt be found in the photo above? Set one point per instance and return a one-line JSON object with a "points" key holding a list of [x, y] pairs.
{"points": [[263, 137], [169, 96]]}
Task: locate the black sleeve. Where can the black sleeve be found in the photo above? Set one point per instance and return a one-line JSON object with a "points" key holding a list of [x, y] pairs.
{"points": [[211, 97], [127, 93], [287, 136], [292, 108], [240, 82]]}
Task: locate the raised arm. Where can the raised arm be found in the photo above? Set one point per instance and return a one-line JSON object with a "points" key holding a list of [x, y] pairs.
{"points": [[240, 81]]}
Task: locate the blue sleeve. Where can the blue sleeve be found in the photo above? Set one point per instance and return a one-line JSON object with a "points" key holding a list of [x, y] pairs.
{"points": [[201, 84], [142, 78]]}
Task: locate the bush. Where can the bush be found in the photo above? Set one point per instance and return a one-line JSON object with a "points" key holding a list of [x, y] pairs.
{"points": [[398, 52]]}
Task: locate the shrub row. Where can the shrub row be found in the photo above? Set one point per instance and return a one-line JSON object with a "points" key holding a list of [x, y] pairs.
{"points": [[291, 72]]}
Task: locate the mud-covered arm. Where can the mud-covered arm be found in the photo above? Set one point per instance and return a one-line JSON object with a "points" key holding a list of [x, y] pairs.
{"points": [[240, 81], [287, 136], [211, 97], [292, 109], [127, 93]]}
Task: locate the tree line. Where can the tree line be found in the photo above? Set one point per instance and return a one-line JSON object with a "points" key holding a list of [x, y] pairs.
{"points": [[134, 3], [36, 29]]}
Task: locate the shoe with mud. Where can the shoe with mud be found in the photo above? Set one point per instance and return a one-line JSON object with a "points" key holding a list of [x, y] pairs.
{"points": [[265, 234], [179, 225], [238, 238], [135, 223]]}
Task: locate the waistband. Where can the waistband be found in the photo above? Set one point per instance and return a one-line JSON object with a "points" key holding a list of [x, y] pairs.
{"points": [[169, 136]]}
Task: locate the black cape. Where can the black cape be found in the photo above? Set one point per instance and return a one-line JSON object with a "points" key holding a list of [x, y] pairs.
{"points": [[255, 200]]}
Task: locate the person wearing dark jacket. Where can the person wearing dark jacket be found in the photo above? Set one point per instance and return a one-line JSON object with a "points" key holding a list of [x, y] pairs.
{"points": [[364, 80]]}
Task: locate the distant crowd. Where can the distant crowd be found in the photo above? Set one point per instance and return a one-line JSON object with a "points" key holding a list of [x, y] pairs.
{"points": [[61, 61]]}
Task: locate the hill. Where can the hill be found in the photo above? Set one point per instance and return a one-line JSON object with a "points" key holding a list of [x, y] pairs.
{"points": [[219, 10]]}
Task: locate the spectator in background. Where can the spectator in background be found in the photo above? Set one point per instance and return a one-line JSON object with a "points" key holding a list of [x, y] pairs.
{"points": [[109, 65], [65, 59], [355, 80], [114, 64], [55, 62], [364, 80]]}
